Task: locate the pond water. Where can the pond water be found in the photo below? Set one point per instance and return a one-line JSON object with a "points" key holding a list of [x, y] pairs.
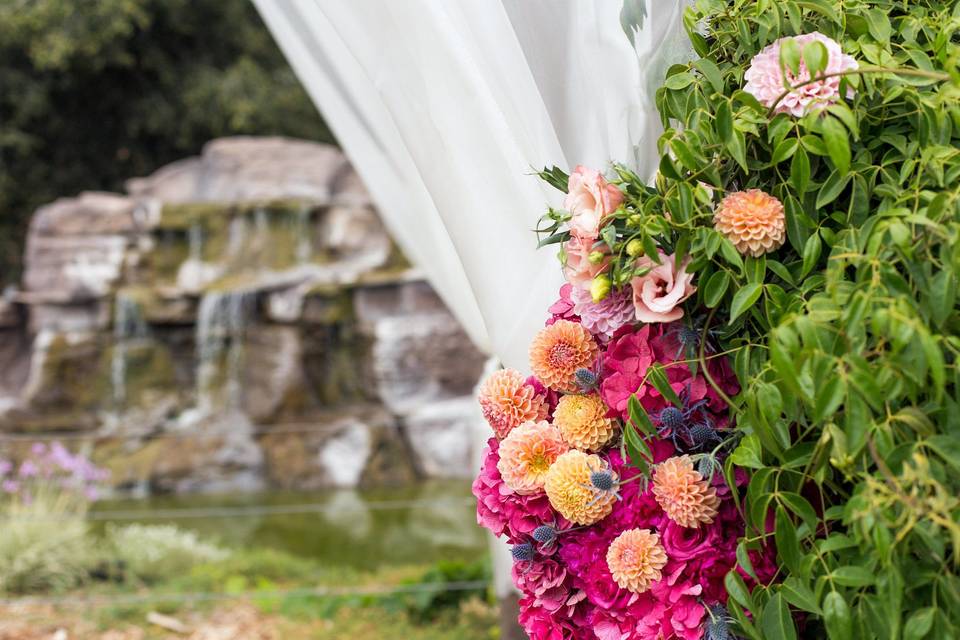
{"points": [[359, 529]]}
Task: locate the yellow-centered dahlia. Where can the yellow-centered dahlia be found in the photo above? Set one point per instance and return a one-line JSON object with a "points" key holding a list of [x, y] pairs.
{"points": [[526, 455], [635, 559], [570, 492], [558, 351], [583, 422], [683, 494], [752, 220], [507, 401]]}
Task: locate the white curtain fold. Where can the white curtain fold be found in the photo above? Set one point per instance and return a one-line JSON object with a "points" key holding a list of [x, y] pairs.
{"points": [[445, 107]]}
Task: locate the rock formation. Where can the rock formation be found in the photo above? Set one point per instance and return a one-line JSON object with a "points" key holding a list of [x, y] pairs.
{"points": [[237, 320]]}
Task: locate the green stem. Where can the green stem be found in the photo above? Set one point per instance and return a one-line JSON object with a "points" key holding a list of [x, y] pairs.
{"points": [[919, 73]]}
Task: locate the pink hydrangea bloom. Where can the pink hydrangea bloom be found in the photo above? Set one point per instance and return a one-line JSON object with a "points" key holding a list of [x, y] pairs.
{"points": [[765, 78], [603, 318]]}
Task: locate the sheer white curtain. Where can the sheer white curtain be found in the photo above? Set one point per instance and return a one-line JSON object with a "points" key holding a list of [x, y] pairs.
{"points": [[445, 106]]}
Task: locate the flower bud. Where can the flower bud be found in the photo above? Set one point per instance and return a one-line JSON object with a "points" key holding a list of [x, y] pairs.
{"points": [[600, 288], [635, 220], [634, 248], [596, 257]]}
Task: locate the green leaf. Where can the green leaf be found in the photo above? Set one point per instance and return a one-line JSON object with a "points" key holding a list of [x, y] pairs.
{"points": [[637, 449], [785, 150], [715, 288], [711, 72], [832, 188], [836, 617], [811, 254], [947, 447], [879, 25], [919, 624], [747, 453], [776, 621], [724, 119], [837, 139], [829, 396], [800, 506], [737, 589], [639, 418], [745, 298], [800, 171], [658, 378], [799, 595], [852, 576], [743, 559], [815, 56], [788, 547], [737, 145], [790, 56], [679, 81]]}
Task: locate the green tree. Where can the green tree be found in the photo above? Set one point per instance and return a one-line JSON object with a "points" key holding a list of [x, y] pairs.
{"points": [[93, 93]]}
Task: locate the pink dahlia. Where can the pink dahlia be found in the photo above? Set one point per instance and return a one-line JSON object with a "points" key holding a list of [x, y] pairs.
{"points": [[604, 318], [502, 510], [527, 453], [508, 401], [766, 82]]}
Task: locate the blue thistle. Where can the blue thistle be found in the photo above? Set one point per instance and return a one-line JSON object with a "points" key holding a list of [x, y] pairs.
{"points": [[602, 480], [718, 624], [544, 534], [671, 418], [522, 552], [702, 434], [586, 379]]}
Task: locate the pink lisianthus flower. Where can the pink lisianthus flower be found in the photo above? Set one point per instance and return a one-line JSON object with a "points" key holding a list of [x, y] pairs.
{"points": [[590, 198], [657, 296], [503, 511], [766, 82], [578, 270]]}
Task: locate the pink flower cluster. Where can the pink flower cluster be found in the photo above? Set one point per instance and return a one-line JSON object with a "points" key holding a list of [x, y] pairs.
{"points": [[52, 466]]}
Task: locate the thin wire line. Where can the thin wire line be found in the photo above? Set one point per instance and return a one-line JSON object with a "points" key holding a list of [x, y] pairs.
{"points": [[242, 511], [206, 596], [295, 427]]}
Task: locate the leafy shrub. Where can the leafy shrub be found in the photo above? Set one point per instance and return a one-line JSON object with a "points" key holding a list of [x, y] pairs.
{"points": [[427, 604], [844, 339], [44, 543], [44, 538], [160, 552]]}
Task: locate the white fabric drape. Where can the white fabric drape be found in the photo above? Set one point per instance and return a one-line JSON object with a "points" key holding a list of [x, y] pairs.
{"points": [[445, 106]]}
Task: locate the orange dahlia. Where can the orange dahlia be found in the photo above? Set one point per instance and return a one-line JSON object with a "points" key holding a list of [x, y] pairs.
{"points": [[752, 220], [508, 401], [683, 494], [558, 351], [570, 492], [583, 422], [526, 455], [635, 559]]}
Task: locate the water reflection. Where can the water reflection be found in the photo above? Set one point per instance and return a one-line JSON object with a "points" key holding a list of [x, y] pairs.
{"points": [[360, 529]]}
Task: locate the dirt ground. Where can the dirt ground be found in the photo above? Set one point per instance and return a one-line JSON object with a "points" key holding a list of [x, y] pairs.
{"points": [[236, 622]]}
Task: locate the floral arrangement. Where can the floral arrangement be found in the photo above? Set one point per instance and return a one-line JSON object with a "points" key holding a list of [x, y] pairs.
{"points": [[742, 418]]}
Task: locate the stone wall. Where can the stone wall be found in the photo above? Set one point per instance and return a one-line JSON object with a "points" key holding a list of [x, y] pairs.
{"points": [[237, 320]]}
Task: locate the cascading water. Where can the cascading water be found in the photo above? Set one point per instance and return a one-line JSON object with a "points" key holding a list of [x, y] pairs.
{"points": [[304, 235], [128, 325], [195, 239], [222, 319]]}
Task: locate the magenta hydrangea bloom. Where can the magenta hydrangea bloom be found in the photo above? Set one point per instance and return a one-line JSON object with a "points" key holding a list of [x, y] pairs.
{"points": [[562, 309], [603, 319], [630, 355]]}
